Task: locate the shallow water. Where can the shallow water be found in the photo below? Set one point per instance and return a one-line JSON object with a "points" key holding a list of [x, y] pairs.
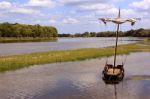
{"points": [[61, 44], [78, 80]]}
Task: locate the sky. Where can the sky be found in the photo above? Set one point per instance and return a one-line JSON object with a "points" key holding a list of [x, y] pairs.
{"points": [[75, 16]]}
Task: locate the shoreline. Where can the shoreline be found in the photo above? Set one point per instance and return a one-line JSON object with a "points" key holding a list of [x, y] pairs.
{"points": [[49, 39], [26, 39], [14, 62]]}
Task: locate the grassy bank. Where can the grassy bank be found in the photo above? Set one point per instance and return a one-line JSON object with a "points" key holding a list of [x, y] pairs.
{"points": [[21, 61], [26, 39]]}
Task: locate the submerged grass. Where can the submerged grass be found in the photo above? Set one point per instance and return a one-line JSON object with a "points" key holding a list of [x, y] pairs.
{"points": [[20, 61]]}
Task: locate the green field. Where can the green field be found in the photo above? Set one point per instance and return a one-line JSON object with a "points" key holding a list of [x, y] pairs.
{"points": [[20, 61]]}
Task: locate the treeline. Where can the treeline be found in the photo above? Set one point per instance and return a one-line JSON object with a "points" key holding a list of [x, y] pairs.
{"points": [[132, 33], [22, 30]]}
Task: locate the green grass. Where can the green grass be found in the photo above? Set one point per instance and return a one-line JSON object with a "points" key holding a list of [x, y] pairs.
{"points": [[26, 39], [20, 61]]}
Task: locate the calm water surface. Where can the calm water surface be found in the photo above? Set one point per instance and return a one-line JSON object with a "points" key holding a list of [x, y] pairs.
{"points": [[61, 44], [78, 80]]}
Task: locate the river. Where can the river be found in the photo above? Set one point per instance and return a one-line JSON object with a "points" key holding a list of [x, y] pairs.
{"points": [[78, 80], [61, 44]]}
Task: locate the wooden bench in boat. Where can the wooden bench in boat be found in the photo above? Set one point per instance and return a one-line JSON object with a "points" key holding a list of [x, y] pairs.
{"points": [[114, 71]]}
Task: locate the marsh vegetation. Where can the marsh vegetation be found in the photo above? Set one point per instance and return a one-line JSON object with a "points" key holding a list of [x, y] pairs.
{"points": [[20, 61]]}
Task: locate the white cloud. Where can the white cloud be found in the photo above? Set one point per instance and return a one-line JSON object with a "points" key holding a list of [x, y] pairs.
{"points": [[20, 10], [41, 3], [144, 4], [70, 21], [98, 8], [142, 9], [71, 2], [52, 21], [9, 8], [81, 13], [95, 7], [80, 2], [130, 13], [5, 5]]}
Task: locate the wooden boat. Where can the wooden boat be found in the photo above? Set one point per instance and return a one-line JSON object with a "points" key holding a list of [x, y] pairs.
{"points": [[113, 73]]}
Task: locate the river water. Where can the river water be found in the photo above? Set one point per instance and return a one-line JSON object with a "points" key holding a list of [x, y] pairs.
{"points": [[61, 44], [78, 80]]}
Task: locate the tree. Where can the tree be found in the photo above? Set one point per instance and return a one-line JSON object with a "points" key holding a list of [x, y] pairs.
{"points": [[22, 30]]}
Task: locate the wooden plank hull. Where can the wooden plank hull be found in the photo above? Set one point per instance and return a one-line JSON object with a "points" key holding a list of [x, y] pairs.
{"points": [[113, 74]]}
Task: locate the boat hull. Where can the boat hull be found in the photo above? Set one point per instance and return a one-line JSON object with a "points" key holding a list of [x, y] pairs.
{"points": [[113, 74]]}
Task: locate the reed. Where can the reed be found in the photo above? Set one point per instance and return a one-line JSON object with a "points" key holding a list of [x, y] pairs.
{"points": [[25, 60]]}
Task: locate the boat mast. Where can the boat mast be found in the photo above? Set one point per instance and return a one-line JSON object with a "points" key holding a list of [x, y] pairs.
{"points": [[118, 25], [118, 21]]}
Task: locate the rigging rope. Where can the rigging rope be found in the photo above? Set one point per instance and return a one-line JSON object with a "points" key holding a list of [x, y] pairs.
{"points": [[106, 44], [123, 57], [123, 63]]}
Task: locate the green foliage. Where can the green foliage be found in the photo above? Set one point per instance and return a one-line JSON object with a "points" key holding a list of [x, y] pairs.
{"points": [[22, 30], [21, 61], [138, 33], [133, 33]]}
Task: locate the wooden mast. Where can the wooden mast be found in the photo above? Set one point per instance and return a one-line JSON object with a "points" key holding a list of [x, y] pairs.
{"points": [[118, 21], [118, 25]]}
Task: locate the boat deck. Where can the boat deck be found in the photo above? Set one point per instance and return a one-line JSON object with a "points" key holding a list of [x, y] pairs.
{"points": [[114, 71]]}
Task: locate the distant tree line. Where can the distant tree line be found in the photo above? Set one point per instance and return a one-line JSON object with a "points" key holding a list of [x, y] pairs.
{"points": [[22, 30], [132, 33]]}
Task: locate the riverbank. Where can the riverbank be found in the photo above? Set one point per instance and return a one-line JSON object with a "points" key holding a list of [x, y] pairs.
{"points": [[26, 39], [20, 61]]}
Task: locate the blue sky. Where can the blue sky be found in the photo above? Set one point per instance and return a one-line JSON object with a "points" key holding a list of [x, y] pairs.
{"points": [[75, 16]]}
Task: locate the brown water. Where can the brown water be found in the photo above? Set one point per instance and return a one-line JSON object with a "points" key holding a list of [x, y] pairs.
{"points": [[78, 80]]}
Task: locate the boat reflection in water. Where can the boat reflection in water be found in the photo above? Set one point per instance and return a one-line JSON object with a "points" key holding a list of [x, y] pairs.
{"points": [[114, 83], [113, 80]]}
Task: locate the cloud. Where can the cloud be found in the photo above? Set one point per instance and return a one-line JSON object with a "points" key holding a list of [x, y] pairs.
{"points": [[99, 7], [71, 2], [82, 14], [142, 8], [95, 7], [141, 5], [70, 21], [12, 8], [41, 3], [79, 2], [20, 10], [5, 5], [52, 21]]}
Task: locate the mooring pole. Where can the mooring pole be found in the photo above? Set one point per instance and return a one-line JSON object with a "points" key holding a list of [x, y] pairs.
{"points": [[116, 45]]}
